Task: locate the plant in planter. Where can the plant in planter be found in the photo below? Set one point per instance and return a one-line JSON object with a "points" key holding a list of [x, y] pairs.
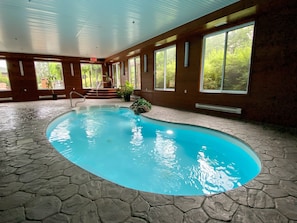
{"points": [[50, 85], [119, 92], [140, 106], [126, 90]]}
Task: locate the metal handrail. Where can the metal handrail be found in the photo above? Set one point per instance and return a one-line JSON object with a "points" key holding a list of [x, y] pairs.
{"points": [[98, 86], [75, 92]]}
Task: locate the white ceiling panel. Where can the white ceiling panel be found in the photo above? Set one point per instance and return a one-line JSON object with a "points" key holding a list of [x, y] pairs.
{"points": [[92, 28]]}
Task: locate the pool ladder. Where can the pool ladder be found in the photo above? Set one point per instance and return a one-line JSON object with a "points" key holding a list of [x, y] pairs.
{"points": [[75, 92]]}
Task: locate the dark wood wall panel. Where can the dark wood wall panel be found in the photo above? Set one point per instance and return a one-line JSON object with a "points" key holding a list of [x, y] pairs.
{"points": [[273, 88], [72, 81], [24, 88]]}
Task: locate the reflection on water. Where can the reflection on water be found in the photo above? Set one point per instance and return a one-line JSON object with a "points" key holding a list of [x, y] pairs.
{"points": [[165, 151], [137, 138], [61, 133], [212, 176]]}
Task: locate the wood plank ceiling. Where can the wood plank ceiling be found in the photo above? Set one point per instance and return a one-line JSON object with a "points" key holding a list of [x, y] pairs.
{"points": [[92, 28]]}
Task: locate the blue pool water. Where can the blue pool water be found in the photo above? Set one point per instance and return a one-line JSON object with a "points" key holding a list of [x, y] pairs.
{"points": [[150, 155]]}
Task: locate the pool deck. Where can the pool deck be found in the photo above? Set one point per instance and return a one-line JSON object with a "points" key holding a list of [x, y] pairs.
{"points": [[37, 184]]}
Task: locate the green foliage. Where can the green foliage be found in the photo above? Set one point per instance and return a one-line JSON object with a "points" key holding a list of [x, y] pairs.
{"points": [[237, 69], [143, 102], [49, 71], [51, 78], [4, 79], [141, 105], [126, 90], [55, 69], [213, 64], [237, 60], [55, 73], [119, 92], [91, 75], [165, 62], [159, 64], [134, 71]]}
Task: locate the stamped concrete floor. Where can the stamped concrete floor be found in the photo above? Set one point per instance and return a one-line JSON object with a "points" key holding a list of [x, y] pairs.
{"points": [[37, 184]]}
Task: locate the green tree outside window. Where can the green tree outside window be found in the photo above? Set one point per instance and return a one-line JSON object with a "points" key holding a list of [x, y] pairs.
{"points": [[49, 72], [91, 75], [226, 61], [165, 68], [134, 72]]}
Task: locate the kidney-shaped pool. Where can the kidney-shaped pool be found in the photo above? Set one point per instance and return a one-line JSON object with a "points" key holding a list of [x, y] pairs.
{"points": [[153, 156]]}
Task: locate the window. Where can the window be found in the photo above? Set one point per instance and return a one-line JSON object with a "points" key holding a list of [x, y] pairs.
{"points": [[49, 71], [91, 75], [4, 77], [116, 75], [165, 66], [226, 60], [134, 72]]}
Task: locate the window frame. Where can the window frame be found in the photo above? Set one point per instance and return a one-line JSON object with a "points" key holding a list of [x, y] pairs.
{"points": [[136, 72], [165, 68], [116, 74], [62, 74], [100, 82], [9, 83], [221, 90]]}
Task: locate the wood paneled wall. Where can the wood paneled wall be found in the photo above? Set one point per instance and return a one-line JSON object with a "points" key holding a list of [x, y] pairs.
{"points": [[272, 95]]}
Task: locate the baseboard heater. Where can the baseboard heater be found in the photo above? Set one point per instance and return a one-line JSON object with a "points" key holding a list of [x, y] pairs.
{"points": [[219, 108], [61, 95], [6, 99], [50, 96]]}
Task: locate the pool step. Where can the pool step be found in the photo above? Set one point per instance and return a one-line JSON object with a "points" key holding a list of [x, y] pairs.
{"points": [[102, 93]]}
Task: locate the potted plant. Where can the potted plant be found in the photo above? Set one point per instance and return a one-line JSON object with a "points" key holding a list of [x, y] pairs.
{"points": [[126, 90], [50, 85]]}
